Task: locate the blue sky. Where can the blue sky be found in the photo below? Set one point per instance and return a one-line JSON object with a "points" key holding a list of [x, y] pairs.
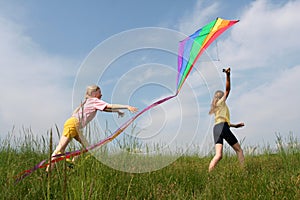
{"points": [[46, 46]]}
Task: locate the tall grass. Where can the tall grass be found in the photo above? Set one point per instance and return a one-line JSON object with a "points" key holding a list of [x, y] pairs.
{"points": [[269, 175]]}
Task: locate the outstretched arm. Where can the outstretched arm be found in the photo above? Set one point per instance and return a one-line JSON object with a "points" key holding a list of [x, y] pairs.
{"points": [[117, 107], [113, 107]]}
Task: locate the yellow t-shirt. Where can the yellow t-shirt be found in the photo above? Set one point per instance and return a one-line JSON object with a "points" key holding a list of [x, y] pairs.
{"points": [[222, 112]]}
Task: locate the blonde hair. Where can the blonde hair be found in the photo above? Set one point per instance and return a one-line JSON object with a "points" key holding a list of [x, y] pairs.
{"points": [[88, 94], [90, 90], [213, 107]]}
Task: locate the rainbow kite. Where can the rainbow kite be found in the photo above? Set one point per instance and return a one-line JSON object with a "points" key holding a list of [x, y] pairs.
{"points": [[190, 49]]}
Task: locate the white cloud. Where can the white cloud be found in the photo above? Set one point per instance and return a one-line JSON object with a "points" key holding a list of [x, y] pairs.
{"points": [[199, 15], [34, 85], [266, 34], [271, 108]]}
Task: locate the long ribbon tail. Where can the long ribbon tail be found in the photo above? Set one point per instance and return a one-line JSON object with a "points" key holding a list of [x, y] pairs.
{"points": [[59, 157], [44, 163]]}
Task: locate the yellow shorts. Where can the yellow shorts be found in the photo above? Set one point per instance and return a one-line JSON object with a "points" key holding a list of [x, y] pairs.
{"points": [[71, 127]]}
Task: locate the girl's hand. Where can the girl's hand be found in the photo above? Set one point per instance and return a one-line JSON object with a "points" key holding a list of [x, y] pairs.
{"points": [[239, 125], [227, 71], [132, 109], [120, 113]]}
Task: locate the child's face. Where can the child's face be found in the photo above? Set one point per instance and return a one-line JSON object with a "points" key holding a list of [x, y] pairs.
{"points": [[98, 94]]}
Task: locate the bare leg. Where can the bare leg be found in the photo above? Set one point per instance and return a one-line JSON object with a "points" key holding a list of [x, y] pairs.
{"points": [[61, 147], [217, 157], [81, 139], [239, 153]]}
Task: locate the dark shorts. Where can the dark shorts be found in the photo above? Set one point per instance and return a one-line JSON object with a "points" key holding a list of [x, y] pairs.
{"points": [[222, 131]]}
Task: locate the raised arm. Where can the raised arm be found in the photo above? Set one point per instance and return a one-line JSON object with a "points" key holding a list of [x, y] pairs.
{"points": [[227, 89]]}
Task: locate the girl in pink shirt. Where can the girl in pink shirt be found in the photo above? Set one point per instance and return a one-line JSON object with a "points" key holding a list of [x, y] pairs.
{"points": [[83, 115]]}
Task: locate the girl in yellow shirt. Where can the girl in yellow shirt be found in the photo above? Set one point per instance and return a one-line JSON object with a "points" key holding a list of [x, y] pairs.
{"points": [[222, 125]]}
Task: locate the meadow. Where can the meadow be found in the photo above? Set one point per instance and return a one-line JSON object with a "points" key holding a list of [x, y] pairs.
{"points": [[268, 175]]}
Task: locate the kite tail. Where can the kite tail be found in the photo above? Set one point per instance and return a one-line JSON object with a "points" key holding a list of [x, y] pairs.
{"points": [[127, 123], [44, 163], [26, 173], [63, 156]]}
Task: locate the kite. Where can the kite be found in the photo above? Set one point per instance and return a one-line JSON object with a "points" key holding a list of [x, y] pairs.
{"points": [[190, 49]]}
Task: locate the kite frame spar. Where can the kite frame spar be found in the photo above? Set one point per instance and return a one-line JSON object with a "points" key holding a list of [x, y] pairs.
{"points": [[190, 49]]}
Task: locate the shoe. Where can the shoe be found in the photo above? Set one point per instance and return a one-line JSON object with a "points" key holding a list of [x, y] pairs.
{"points": [[70, 163]]}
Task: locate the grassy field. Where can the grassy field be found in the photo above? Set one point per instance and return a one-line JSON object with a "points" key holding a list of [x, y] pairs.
{"points": [[268, 175]]}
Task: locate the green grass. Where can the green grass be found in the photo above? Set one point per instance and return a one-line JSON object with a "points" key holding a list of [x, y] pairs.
{"points": [[273, 175]]}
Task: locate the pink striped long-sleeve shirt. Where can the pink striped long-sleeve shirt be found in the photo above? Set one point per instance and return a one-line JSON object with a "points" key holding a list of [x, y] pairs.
{"points": [[89, 110]]}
